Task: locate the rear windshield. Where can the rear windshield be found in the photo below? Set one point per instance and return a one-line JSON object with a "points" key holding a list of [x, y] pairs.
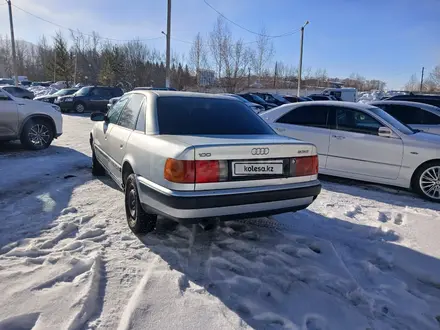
{"points": [[206, 116]]}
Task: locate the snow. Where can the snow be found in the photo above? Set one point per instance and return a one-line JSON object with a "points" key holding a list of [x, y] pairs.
{"points": [[366, 97], [42, 91], [362, 256]]}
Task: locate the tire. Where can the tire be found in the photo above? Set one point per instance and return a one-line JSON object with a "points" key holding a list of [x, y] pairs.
{"points": [[139, 221], [79, 107], [97, 168], [426, 181], [37, 134]]}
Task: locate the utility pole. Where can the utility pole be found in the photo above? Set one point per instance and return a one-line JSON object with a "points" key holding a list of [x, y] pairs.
{"points": [[249, 77], [14, 55], [421, 80], [168, 35], [55, 65], [76, 66], [301, 58], [275, 75]]}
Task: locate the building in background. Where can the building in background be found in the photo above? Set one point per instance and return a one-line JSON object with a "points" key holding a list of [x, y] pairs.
{"points": [[206, 78]]}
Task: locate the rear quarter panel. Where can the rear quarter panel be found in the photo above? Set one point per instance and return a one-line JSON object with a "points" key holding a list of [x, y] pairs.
{"points": [[147, 154]]}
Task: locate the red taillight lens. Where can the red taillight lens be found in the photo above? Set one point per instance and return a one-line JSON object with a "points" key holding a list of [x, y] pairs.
{"points": [[199, 171], [207, 171], [303, 166]]}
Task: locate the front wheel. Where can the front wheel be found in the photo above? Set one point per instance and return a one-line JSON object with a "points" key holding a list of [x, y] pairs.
{"points": [[37, 134], [427, 181], [139, 221]]}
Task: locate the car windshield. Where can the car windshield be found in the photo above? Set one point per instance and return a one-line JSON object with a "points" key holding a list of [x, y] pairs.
{"points": [[83, 91], [207, 116], [258, 99], [393, 121], [65, 92]]}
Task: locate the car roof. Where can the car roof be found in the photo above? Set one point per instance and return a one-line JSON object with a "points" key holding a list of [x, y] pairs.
{"points": [[408, 103], [161, 93]]}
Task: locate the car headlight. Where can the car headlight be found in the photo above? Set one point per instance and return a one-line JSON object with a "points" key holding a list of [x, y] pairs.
{"points": [[67, 99], [57, 108]]}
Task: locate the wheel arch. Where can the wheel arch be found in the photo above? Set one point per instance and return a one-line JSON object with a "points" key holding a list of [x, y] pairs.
{"points": [[413, 176], [38, 116], [128, 167]]}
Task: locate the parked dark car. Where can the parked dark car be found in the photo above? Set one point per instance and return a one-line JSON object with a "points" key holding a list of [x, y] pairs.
{"points": [[273, 98], [19, 92], [26, 83], [52, 97], [89, 98], [256, 99], [294, 99], [6, 81], [42, 83], [427, 99], [321, 97]]}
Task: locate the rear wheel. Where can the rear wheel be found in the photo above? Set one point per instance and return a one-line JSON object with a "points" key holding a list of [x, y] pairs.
{"points": [[37, 134], [80, 107], [427, 181], [139, 221]]}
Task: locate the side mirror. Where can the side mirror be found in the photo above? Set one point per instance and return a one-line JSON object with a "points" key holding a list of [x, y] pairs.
{"points": [[98, 116], [385, 132]]}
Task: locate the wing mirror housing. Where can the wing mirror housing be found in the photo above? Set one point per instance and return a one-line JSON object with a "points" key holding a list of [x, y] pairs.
{"points": [[98, 116], [385, 132]]}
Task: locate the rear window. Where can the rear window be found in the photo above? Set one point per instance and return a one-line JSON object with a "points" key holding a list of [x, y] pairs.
{"points": [[206, 116]]}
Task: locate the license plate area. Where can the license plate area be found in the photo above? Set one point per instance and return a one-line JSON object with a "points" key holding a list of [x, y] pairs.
{"points": [[252, 169]]}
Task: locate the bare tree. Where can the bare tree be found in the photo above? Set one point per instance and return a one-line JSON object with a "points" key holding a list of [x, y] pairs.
{"points": [[264, 52], [217, 40], [412, 84], [435, 76], [236, 58], [198, 57]]}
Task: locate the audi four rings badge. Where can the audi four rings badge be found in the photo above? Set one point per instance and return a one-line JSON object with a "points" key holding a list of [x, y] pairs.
{"points": [[260, 151]]}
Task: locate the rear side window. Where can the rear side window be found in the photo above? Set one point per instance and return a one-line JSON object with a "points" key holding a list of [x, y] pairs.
{"points": [[207, 116], [314, 116], [431, 119], [130, 113], [407, 115]]}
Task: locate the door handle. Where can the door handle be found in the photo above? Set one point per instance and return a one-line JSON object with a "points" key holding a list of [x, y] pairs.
{"points": [[338, 137], [281, 129], [121, 146]]}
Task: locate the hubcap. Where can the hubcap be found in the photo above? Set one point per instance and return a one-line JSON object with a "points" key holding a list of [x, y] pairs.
{"points": [[39, 135], [131, 205], [79, 108], [430, 182]]}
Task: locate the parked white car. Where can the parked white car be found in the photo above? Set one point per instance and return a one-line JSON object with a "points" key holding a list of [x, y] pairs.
{"points": [[421, 116], [193, 156], [35, 123], [363, 142]]}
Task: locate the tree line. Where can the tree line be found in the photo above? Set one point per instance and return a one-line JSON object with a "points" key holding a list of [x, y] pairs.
{"points": [[430, 84], [233, 64]]}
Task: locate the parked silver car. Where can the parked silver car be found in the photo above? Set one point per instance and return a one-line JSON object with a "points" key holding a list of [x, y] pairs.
{"points": [[35, 123], [192, 157]]}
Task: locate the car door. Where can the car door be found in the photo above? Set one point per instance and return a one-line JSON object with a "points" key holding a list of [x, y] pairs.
{"points": [[102, 130], [356, 148], [8, 116], [120, 133], [309, 124]]}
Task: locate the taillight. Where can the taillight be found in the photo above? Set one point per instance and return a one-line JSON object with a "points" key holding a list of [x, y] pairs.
{"points": [[179, 171], [198, 171], [302, 166]]}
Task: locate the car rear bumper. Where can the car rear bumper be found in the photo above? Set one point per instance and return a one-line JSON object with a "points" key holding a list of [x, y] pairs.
{"points": [[192, 207]]}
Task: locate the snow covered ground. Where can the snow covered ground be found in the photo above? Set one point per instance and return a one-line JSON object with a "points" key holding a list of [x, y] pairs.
{"points": [[361, 257]]}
